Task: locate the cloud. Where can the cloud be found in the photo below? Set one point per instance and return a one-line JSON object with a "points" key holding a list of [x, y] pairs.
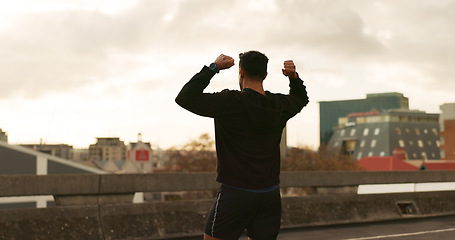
{"points": [[419, 35], [344, 48], [61, 50]]}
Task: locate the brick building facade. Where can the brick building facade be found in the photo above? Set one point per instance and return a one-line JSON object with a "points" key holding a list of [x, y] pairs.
{"points": [[448, 140]]}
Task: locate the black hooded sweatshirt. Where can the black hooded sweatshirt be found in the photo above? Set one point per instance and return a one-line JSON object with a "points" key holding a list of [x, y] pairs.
{"points": [[248, 128]]}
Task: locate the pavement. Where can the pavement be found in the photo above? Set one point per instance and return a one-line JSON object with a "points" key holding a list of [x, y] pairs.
{"points": [[441, 228]]}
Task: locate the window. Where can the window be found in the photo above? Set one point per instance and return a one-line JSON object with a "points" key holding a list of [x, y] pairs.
{"points": [[382, 154], [370, 154], [424, 155], [443, 154], [376, 131], [361, 120], [342, 132], [425, 131], [352, 132], [438, 143], [365, 131], [429, 143], [362, 143], [373, 143], [401, 143], [404, 119], [417, 131], [435, 132], [359, 155], [411, 143], [420, 142], [394, 119], [349, 147], [398, 130], [407, 130], [342, 121]]}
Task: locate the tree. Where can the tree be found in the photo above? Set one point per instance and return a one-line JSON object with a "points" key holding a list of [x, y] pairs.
{"points": [[305, 159], [325, 159], [196, 156]]}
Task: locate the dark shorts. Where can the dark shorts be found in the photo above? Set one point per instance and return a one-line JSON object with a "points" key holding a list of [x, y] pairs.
{"points": [[235, 210]]}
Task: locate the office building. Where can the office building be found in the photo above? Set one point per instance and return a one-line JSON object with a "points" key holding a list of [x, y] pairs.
{"points": [[378, 133], [330, 111]]}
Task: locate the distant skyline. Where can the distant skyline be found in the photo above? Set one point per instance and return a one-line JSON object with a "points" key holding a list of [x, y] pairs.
{"points": [[75, 70]]}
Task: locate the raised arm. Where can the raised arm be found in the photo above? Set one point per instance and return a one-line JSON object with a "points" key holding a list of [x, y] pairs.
{"points": [[297, 89], [192, 96]]}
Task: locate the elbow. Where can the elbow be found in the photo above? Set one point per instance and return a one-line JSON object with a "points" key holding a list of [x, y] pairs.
{"points": [[180, 101], [307, 100], [183, 101]]}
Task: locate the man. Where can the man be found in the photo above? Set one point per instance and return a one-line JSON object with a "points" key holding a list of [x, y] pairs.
{"points": [[248, 127]]}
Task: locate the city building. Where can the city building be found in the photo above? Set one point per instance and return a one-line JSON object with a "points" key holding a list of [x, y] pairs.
{"points": [[59, 150], [447, 128], [330, 111], [378, 133], [107, 149], [139, 154], [80, 154], [3, 136]]}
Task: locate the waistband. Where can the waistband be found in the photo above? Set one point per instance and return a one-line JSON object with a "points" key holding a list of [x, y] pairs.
{"points": [[260, 190]]}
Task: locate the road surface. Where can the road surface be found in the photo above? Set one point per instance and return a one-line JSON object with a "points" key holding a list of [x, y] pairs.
{"points": [[440, 228]]}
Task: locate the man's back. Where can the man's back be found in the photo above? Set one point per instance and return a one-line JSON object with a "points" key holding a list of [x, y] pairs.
{"points": [[248, 131], [248, 127]]}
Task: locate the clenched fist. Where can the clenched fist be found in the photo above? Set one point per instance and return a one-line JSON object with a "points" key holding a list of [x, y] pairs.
{"points": [[289, 69], [224, 62]]}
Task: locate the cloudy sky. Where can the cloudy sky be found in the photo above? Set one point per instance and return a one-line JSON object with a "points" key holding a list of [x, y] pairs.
{"points": [[74, 70]]}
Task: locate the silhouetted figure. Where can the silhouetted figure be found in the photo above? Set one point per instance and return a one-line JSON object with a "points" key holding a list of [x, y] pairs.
{"points": [[248, 127]]}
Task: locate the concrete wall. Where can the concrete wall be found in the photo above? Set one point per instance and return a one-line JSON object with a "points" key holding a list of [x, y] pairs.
{"points": [[100, 206], [162, 220]]}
